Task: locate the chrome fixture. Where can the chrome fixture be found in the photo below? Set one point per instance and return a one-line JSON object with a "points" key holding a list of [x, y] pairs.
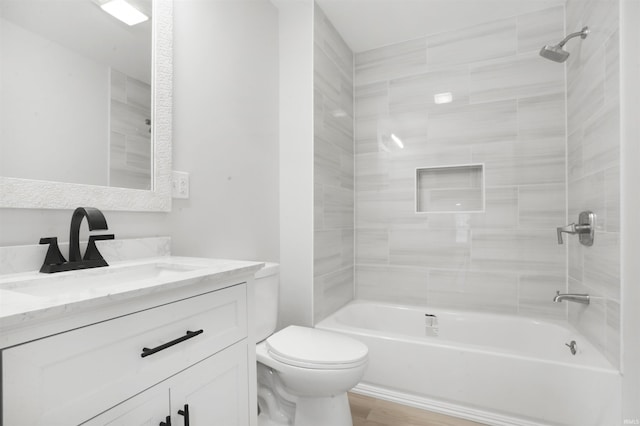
{"points": [[54, 260], [556, 52], [578, 298], [572, 347], [585, 228], [430, 325]]}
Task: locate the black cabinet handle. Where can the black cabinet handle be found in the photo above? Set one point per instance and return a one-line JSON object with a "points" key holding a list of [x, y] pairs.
{"points": [[185, 413], [189, 335], [167, 422]]}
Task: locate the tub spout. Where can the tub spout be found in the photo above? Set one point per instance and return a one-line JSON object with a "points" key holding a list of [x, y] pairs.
{"points": [[578, 298]]}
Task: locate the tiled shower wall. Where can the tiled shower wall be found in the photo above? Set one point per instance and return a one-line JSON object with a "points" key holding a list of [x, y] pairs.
{"points": [[593, 117], [333, 169], [508, 112]]}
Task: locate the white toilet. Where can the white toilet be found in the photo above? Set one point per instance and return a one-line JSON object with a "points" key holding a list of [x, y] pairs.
{"points": [[303, 373]]}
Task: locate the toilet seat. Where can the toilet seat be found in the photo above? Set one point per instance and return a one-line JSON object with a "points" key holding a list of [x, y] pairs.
{"points": [[316, 349]]}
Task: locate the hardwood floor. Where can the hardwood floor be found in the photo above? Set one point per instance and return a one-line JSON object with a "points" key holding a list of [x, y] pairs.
{"points": [[367, 411]]}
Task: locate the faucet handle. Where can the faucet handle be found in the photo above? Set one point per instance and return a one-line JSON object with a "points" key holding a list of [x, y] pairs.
{"points": [[92, 252], [569, 229], [53, 256], [585, 228]]}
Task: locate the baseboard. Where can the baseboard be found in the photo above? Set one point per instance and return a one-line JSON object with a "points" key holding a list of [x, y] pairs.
{"points": [[450, 409]]}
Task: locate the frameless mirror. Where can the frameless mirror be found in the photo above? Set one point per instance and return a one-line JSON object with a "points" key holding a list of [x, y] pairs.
{"points": [[85, 109]]}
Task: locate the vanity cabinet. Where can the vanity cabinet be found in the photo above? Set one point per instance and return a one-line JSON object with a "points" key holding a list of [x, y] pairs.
{"points": [[140, 367], [211, 392]]}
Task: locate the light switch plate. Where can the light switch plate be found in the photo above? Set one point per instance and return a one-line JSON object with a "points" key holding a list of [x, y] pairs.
{"points": [[179, 184]]}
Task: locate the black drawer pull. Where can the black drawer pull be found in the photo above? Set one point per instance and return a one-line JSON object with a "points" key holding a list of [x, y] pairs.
{"points": [[167, 422], [185, 413], [189, 335]]}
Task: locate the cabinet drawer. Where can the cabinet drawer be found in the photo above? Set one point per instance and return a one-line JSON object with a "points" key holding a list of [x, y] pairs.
{"points": [[70, 377]]}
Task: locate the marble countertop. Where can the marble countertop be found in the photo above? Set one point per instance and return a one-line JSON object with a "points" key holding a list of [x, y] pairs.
{"points": [[33, 296]]}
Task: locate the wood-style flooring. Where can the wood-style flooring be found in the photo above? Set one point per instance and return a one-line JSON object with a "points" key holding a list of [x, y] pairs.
{"points": [[367, 411]]}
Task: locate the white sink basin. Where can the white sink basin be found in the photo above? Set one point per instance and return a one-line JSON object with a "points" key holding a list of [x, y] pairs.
{"points": [[97, 281]]}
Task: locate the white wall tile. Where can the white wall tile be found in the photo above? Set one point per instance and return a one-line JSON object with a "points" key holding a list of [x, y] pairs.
{"points": [[337, 206], [389, 62], [501, 209], [541, 117], [542, 206], [612, 198], [517, 250], [516, 128], [515, 76], [472, 290], [473, 124], [334, 176], [612, 69], [513, 163], [417, 92], [585, 194], [574, 155], [612, 331], [329, 40], [435, 248], [601, 141], [395, 284], [337, 290], [372, 246], [576, 258], [585, 90], [540, 28], [371, 100], [491, 40], [589, 319], [593, 168], [602, 265], [536, 292]]}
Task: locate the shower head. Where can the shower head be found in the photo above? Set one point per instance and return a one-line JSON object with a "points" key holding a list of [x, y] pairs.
{"points": [[557, 53]]}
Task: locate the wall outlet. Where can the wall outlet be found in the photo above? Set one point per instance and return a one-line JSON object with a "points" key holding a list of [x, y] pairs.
{"points": [[179, 184]]}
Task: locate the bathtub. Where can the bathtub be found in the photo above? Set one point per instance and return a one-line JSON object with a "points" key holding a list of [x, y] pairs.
{"points": [[490, 368]]}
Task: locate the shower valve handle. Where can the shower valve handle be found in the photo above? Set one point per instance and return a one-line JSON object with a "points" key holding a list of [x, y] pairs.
{"points": [[572, 228], [585, 228]]}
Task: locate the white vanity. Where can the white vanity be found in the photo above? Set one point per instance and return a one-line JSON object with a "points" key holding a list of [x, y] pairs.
{"points": [[153, 341]]}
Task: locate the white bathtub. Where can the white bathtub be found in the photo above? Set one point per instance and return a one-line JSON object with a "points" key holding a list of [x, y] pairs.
{"points": [[494, 369]]}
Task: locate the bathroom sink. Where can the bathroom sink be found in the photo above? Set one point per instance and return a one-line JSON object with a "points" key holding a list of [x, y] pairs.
{"points": [[99, 281]]}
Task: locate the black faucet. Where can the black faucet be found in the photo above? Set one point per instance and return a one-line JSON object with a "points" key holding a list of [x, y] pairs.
{"points": [[54, 260]]}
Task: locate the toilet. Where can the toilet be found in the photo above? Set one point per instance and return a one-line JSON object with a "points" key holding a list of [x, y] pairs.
{"points": [[303, 373]]}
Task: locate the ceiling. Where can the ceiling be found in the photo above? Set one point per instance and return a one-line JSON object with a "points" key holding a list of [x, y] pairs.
{"points": [[367, 24]]}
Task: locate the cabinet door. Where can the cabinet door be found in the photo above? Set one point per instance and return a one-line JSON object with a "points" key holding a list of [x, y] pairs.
{"points": [[148, 408], [215, 390]]}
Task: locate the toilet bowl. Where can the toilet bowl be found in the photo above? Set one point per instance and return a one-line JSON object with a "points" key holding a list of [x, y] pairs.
{"points": [[303, 373]]}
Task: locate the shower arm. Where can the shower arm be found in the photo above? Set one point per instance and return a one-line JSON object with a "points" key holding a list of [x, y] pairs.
{"points": [[582, 33]]}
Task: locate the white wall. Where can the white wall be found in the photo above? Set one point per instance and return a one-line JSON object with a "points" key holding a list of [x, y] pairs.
{"points": [[296, 161], [630, 176], [226, 128]]}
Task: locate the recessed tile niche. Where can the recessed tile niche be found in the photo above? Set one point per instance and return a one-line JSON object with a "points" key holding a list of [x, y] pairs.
{"points": [[442, 189]]}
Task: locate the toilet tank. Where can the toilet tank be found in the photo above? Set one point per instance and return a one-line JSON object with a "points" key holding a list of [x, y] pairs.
{"points": [[266, 293]]}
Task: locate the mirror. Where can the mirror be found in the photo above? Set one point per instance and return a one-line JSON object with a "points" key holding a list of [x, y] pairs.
{"points": [[85, 115]]}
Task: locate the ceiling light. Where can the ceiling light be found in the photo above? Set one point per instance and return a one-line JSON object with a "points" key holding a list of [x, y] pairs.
{"points": [[397, 140], [443, 98], [123, 11]]}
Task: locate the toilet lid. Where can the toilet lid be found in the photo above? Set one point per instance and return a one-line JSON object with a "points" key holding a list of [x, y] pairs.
{"points": [[312, 348]]}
